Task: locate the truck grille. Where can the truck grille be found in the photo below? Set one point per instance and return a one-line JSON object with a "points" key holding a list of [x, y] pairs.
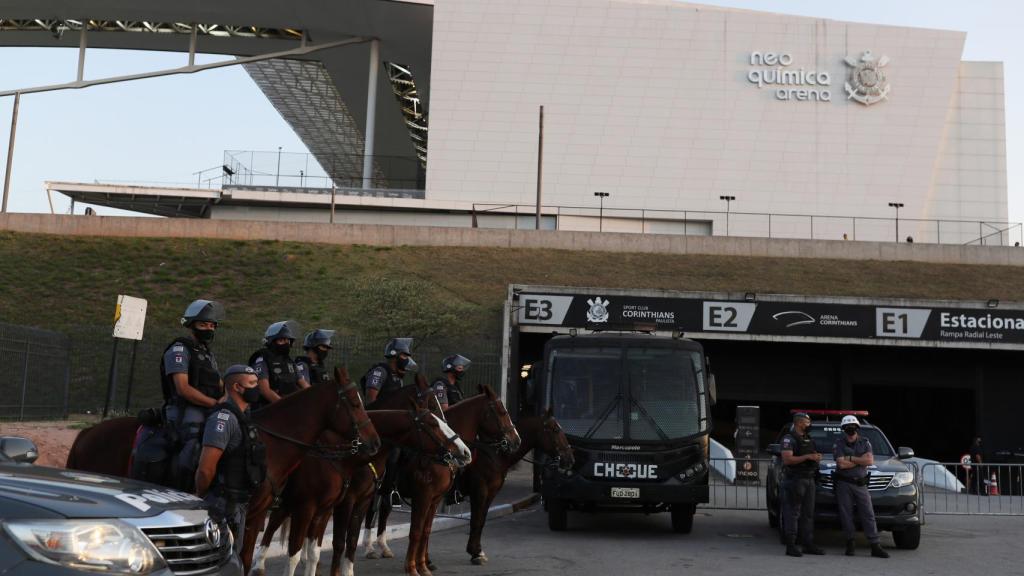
{"points": [[876, 482], [186, 547]]}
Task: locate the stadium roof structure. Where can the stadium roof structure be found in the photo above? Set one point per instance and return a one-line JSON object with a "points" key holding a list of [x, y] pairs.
{"points": [[322, 95]]}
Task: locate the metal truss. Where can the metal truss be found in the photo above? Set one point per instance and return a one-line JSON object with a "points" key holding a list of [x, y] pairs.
{"points": [[404, 86], [59, 27]]}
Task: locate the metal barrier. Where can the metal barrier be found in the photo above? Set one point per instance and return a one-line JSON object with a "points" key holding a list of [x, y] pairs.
{"points": [[977, 489], [34, 373], [746, 490]]}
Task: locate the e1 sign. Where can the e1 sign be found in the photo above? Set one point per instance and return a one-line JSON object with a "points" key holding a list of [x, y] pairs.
{"points": [[129, 317]]}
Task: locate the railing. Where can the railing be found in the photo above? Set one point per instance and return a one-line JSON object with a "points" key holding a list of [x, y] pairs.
{"points": [[980, 489], [745, 490], [756, 224], [34, 373], [277, 169]]}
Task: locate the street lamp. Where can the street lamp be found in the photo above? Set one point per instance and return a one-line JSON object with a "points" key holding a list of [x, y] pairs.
{"points": [[600, 217], [897, 206], [277, 181], [728, 202]]}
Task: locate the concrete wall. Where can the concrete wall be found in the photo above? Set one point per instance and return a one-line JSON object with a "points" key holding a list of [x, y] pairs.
{"points": [[381, 235], [651, 100]]}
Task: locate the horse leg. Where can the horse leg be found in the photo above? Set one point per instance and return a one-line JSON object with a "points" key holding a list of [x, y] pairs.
{"points": [[352, 538], [416, 530], [297, 534], [342, 520], [382, 527], [260, 557], [368, 539], [314, 540], [253, 526], [482, 497], [435, 495]]}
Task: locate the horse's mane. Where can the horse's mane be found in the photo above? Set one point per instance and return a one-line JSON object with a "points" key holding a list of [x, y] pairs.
{"points": [[287, 404]]}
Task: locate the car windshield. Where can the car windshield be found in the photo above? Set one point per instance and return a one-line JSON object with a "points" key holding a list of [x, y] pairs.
{"points": [[825, 436], [613, 393]]}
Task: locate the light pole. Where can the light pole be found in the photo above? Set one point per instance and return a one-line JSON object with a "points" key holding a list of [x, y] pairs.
{"points": [[277, 181], [600, 214], [728, 202], [897, 206]]}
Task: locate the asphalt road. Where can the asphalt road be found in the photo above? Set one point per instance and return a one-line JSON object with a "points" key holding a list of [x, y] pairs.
{"points": [[722, 543]]}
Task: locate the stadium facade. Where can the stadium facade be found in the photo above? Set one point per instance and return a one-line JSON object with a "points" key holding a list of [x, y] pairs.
{"points": [[670, 108]]}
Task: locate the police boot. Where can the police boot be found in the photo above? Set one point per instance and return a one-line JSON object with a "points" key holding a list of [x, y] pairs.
{"points": [[791, 549], [849, 548], [811, 549], [877, 552]]}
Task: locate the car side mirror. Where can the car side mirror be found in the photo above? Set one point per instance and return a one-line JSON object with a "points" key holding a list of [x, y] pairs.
{"points": [[773, 449], [903, 453], [18, 449], [712, 389]]}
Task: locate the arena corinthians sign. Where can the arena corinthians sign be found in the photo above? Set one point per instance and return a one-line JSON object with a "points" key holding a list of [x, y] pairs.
{"points": [[773, 70]]}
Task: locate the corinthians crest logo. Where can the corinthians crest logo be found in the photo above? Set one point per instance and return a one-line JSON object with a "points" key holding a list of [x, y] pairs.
{"points": [[867, 83], [598, 310]]}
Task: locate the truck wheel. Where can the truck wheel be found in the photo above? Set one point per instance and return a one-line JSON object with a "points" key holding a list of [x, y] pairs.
{"points": [[682, 517], [908, 538], [558, 516]]}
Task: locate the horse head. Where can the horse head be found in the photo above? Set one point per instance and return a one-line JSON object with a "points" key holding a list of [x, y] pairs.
{"points": [[353, 421], [426, 396], [439, 437], [497, 423], [553, 441]]}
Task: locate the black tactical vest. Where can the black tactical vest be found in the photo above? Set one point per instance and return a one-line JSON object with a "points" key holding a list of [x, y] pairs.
{"points": [[202, 372], [803, 445], [241, 471], [317, 372], [391, 383], [281, 372]]}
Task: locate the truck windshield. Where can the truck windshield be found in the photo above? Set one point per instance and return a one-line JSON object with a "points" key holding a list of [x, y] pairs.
{"points": [[636, 393]]}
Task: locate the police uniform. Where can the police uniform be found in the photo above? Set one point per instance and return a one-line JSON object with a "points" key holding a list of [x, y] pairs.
{"points": [[382, 379], [278, 369], [799, 486], [186, 356], [850, 486], [241, 469], [311, 372]]}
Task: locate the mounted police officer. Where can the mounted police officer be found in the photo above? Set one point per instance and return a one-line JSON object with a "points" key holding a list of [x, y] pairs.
{"points": [[853, 455], [313, 366], [191, 386], [274, 366], [447, 387], [233, 462], [386, 377], [800, 459]]}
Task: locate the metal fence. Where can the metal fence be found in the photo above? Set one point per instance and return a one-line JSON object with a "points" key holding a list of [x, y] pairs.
{"points": [[980, 489], [46, 374], [34, 373], [745, 492]]}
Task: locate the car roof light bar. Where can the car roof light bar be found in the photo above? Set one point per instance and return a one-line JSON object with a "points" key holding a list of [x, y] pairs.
{"points": [[830, 412]]}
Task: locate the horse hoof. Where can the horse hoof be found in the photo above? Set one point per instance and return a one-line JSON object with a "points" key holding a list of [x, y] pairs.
{"points": [[387, 553], [372, 555], [479, 560], [431, 566], [424, 571]]}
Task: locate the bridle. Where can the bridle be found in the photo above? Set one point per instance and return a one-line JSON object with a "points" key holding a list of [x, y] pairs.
{"points": [[551, 426], [444, 454], [502, 445], [331, 452]]}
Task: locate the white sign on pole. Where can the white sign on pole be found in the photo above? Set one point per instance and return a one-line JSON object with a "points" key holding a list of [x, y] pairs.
{"points": [[129, 317]]}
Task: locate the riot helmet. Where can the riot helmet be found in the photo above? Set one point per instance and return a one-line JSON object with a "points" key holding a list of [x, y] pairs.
{"points": [[452, 364], [318, 337], [202, 311], [397, 346], [849, 424], [283, 329]]}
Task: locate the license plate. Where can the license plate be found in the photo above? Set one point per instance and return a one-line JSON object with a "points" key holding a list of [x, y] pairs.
{"points": [[625, 492]]}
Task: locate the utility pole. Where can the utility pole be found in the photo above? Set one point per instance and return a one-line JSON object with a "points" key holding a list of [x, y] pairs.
{"points": [[540, 162]]}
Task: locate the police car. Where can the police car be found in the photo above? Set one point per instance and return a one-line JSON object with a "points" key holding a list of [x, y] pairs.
{"points": [[66, 522], [893, 485]]}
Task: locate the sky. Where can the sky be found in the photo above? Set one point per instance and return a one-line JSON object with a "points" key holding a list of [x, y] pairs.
{"points": [[164, 130]]}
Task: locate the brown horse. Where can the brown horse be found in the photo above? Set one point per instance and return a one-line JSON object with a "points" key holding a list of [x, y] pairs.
{"points": [[105, 448], [491, 462], [318, 485], [430, 480]]}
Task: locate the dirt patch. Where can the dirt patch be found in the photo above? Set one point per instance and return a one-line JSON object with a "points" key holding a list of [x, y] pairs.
{"points": [[53, 439]]}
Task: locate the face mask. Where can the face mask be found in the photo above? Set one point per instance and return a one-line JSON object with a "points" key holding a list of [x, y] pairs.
{"points": [[850, 432], [459, 375], [406, 364], [204, 336], [251, 395], [281, 349], [322, 354]]}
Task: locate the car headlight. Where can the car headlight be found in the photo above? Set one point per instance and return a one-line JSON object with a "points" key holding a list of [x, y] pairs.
{"points": [[902, 479], [108, 546]]}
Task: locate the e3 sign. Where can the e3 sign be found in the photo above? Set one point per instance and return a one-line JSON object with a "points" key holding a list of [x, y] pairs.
{"points": [[543, 309]]}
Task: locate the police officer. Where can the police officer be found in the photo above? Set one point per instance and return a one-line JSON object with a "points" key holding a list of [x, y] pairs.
{"points": [[191, 385], [853, 455], [386, 377], [800, 459], [233, 461], [313, 366], [274, 366], [447, 387]]}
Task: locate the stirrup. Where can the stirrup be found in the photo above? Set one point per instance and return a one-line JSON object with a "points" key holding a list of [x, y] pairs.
{"points": [[396, 499]]}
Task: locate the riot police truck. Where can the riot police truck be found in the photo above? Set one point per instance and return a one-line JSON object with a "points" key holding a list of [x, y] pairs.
{"points": [[633, 400]]}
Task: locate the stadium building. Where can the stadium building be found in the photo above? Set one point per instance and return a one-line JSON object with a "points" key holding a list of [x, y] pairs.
{"points": [[691, 119]]}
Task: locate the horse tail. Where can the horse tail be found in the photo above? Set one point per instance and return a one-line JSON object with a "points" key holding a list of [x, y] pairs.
{"points": [[283, 531]]}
